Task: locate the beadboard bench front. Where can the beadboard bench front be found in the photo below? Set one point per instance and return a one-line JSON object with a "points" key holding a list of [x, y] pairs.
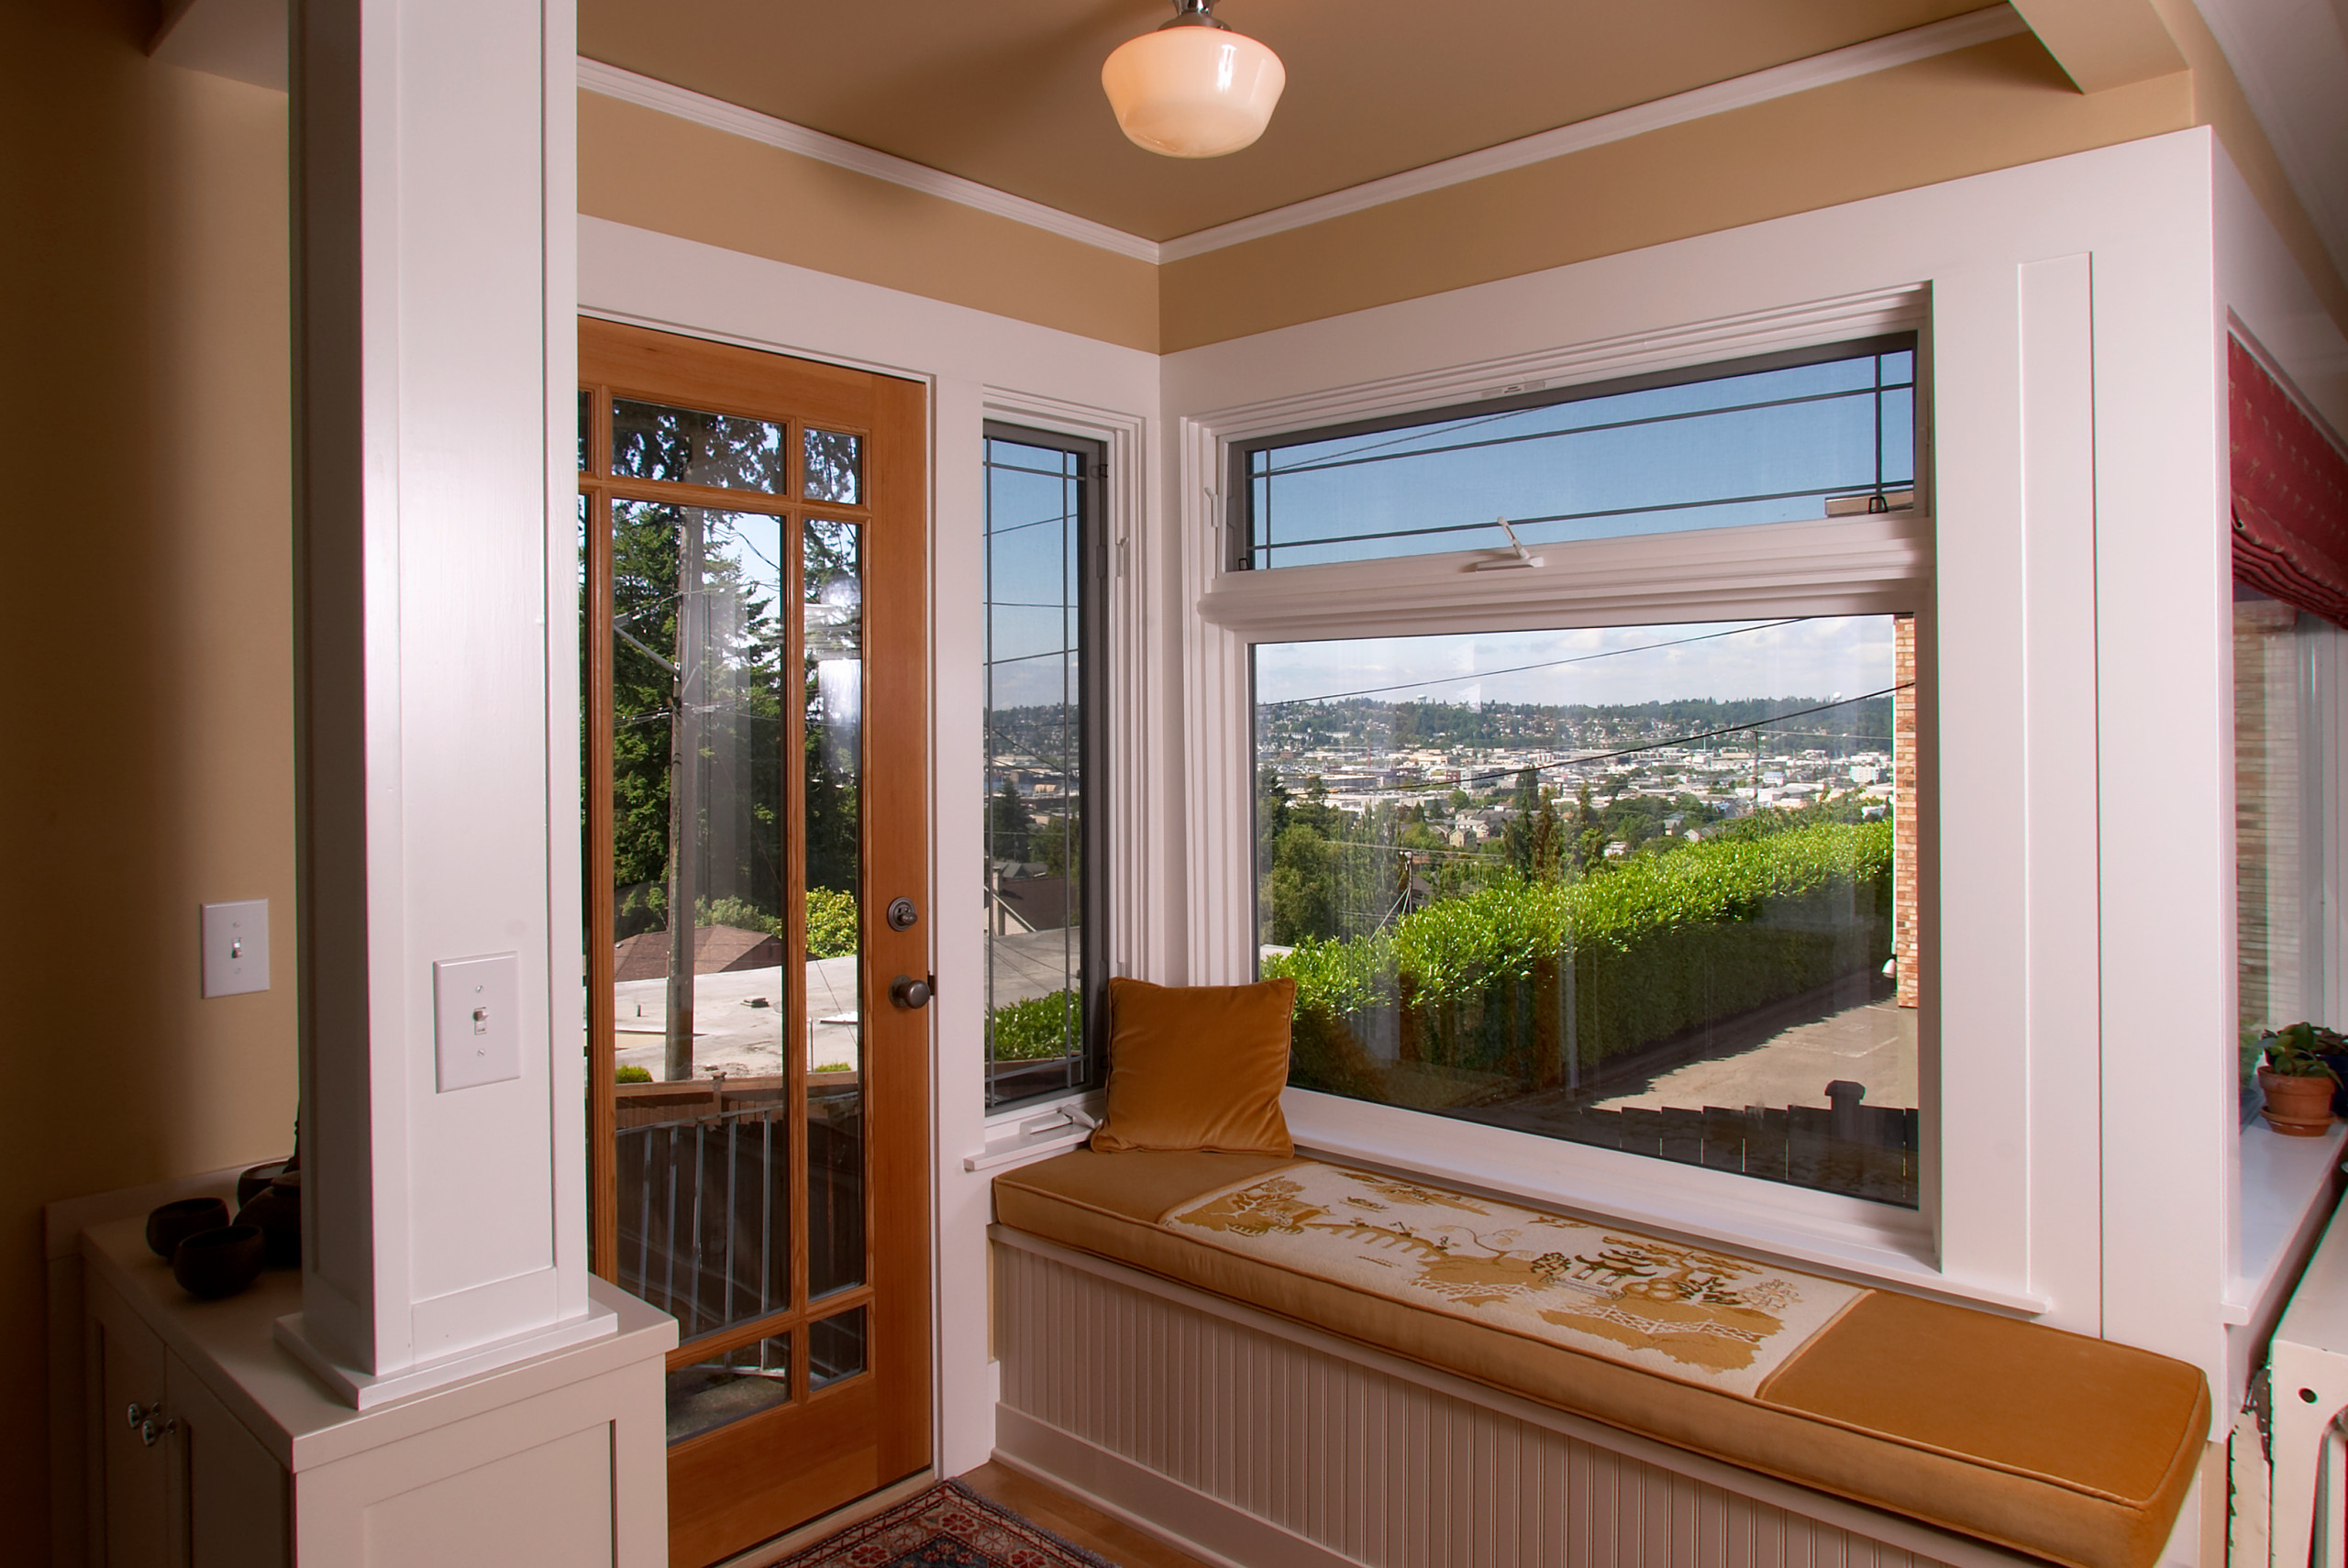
{"points": [[1137, 1367]]}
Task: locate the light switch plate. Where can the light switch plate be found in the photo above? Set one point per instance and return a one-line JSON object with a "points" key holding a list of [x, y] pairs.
{"points": [[236, 947], [477, 1032]]}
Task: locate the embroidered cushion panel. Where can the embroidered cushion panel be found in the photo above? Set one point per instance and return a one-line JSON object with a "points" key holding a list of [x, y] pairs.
{"points": [[2071, 1449], [1693, 1313]]}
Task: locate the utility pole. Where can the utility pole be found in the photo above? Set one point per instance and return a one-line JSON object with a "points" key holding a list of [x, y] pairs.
{"points": [[685, 808]]}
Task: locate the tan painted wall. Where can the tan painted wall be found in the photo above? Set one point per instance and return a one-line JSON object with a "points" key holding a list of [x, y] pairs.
{"points": [[1988, 108], [2219, 102], [640, 167], [149, 758], [1992, 106]]}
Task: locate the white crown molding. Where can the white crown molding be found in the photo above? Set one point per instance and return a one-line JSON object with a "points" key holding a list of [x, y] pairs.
{"points": [[1985, 26], [611, 81]]}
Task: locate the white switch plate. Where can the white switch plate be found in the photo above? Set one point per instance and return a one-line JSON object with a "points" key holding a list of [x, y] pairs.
{"points": [[236, 947], [478, 1035]]}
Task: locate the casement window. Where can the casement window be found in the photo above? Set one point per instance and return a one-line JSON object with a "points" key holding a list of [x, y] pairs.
{"points": [[2285, 666], [1611, 837], [1045, 831], [2289, 654]]}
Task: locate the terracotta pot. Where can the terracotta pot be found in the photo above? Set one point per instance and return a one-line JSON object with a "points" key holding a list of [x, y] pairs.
{"points": [[2299, 1107]]}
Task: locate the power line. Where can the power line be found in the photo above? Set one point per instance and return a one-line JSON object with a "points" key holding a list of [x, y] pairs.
{"points": [[1520, 669], [1353, 459]]}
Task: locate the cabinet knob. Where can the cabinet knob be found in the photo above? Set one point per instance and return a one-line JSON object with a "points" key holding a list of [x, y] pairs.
{"points": [[150, 1422]]}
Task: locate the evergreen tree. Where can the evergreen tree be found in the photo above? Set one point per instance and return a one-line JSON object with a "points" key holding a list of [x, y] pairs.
{"points": [[1010, 825]]}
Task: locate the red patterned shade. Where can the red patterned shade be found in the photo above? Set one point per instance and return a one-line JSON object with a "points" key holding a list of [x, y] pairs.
{"points": [[2290, 485]]}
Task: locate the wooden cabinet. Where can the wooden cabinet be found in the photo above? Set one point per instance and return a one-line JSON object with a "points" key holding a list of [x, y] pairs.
{"points": [[179, 1482], [233, 1500], [208, 1446], [130, 1463]]}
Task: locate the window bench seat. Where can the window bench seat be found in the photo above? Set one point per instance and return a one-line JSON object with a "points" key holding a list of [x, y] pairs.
{"points": [[2073, 1450]]}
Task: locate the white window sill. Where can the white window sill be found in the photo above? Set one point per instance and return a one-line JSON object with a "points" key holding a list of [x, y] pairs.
{"points": [[1872, 1242], [2285, 1185], [1032, 1132]]}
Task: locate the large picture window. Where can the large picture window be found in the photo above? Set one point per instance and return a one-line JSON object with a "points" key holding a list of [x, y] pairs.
{"points": [[1631, 886], [1045, 970], [1651, 887]]}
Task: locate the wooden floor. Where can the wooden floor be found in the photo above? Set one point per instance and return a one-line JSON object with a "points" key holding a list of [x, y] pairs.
{"points": [[1073, 1521]]}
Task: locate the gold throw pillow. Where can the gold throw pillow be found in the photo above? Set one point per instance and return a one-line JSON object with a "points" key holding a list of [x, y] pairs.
{"points": [[1198, 1067]]}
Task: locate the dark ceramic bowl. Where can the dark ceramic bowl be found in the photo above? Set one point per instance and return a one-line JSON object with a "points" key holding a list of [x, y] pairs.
{"points": [[172, 1223], [276, 1212], [213, 1264], [249, 1186]]}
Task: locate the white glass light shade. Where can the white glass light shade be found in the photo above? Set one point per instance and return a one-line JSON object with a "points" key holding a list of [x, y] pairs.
{"points": [[1192, 92]]}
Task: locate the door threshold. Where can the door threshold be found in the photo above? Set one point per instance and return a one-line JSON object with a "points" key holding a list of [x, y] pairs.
{"points": [[831, 1524]]}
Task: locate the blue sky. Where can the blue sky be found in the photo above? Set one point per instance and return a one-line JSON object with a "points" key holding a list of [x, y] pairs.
{"points": [[1813, 657], [1664, 448]]}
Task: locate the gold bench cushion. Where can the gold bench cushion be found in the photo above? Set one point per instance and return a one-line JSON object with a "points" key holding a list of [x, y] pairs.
{"points": [[2071, 1449]]}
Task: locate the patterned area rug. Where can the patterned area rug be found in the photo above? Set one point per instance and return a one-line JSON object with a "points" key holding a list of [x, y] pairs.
{"points": [[1703, 1317], [950, 1526]]}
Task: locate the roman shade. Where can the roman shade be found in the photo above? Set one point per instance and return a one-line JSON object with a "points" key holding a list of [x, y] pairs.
{"points": [[2290, 494]]}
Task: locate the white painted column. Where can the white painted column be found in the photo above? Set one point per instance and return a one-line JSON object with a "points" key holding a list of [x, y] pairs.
{"points": [[434, 180]]}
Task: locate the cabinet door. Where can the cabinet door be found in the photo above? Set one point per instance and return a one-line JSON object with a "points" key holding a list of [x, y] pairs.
{"points": [[229, 1510], [130, 1463]]}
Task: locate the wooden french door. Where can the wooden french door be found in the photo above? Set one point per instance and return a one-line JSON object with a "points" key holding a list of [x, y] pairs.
{"points": [[752, 545]]}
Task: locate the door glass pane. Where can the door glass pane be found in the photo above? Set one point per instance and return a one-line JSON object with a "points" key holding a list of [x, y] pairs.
{"points": [[835, 463], [699, 879], [836, 1348], [1035, 730], [653, 441], [729, 1386], [1647, 888], [832, 595]]}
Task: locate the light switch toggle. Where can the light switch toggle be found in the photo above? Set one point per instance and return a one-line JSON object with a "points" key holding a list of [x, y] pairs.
{"points": [[475, 1008]]}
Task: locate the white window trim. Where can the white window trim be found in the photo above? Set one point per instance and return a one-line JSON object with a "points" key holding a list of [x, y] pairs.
{"points": [[1035, 1129], [1854, 566]]}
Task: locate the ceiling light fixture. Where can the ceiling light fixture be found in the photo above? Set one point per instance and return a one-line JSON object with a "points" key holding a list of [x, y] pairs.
{"points": [[1193, 88]]}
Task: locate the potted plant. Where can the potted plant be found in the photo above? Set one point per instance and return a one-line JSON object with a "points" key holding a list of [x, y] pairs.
{"points": [[2297, 1081]]}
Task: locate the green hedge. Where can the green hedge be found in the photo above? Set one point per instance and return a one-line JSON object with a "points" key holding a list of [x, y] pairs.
{"points": [[831, 920], [831, 924], [1036, 1030], [1656, 945]]}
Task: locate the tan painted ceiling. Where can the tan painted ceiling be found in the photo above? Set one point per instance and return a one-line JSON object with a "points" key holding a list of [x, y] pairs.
{"points": [[1007, 92]]}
